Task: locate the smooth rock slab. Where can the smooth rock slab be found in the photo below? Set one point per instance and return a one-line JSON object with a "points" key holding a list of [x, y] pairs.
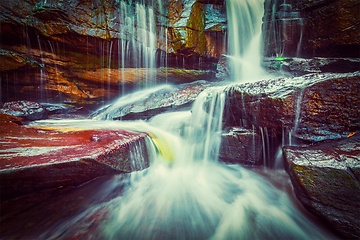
{"points": [[326, 181], [33, 159]]}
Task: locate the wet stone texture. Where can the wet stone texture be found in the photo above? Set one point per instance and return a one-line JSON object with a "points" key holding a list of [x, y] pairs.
{"points": [[24, 109], [326, 178], [314, 107], [241, 146], [33, 160], [311, 28]]}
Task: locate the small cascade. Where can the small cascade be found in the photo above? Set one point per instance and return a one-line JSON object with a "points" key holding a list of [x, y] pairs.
{"points": [[263, 146], [204, 132], [138, 155]]}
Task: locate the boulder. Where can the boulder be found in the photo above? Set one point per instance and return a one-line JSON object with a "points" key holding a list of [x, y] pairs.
{"points": [[36, 159], [326, 180], [314, 107]]}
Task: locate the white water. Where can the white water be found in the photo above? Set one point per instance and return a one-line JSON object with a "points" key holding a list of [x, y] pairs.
{"points": [[244, 39], [186, 193]]}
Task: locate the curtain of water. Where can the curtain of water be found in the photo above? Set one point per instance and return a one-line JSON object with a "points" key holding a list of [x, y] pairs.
{"points": [[244, 38], [138, 28]]}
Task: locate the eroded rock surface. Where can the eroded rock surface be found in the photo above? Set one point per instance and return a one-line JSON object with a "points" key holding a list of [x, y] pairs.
{"points": [[326, 178]]}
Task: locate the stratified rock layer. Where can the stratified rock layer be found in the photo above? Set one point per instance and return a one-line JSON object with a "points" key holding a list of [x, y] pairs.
{"points": [[326, 181]]}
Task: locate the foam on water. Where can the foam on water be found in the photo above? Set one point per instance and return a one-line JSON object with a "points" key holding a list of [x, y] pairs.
{"points": [[193, 196]]}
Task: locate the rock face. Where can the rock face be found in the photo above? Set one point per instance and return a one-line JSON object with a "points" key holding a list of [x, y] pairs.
{"points": [[311, 28], [35, 159], [313, 108], [326, 178]]}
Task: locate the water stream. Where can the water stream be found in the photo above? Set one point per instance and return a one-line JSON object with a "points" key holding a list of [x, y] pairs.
{"points": [[186, 193]]}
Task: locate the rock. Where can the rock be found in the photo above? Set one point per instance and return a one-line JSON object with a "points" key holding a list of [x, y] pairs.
{"points": [[223, 68], [150, 102], [10, 60], [24, 109], [194, 27], [301, 66], [313, 107], [326, 181], [241, 146], [36, 159], [311, 28], [54, 108]]}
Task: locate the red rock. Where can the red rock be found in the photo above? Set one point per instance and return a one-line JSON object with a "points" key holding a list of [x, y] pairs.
{"points": [[34, 159]]}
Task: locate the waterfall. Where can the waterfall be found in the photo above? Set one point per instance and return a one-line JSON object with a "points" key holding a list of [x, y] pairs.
{"points": [[244, 39], [186, 193], [138, 28]]}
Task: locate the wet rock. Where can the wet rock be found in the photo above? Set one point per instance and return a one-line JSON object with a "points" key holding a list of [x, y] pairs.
{"points": [[326, 181], [24, 109], [54, 108], [311, 28], [10, 60], [197, 29], [223, 68], [241, 146], [313, 107], [301, 66], [150, 102], [35, 159]]}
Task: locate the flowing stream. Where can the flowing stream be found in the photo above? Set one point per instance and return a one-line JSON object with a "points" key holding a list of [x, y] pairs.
{"points": [[186, 193]]}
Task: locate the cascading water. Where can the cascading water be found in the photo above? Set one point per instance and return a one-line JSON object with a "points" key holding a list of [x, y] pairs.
{"points": [[244, 39], [186, 193]]}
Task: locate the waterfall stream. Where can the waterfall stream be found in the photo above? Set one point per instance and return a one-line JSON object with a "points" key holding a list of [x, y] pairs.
{"points": [[186, 193]]}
